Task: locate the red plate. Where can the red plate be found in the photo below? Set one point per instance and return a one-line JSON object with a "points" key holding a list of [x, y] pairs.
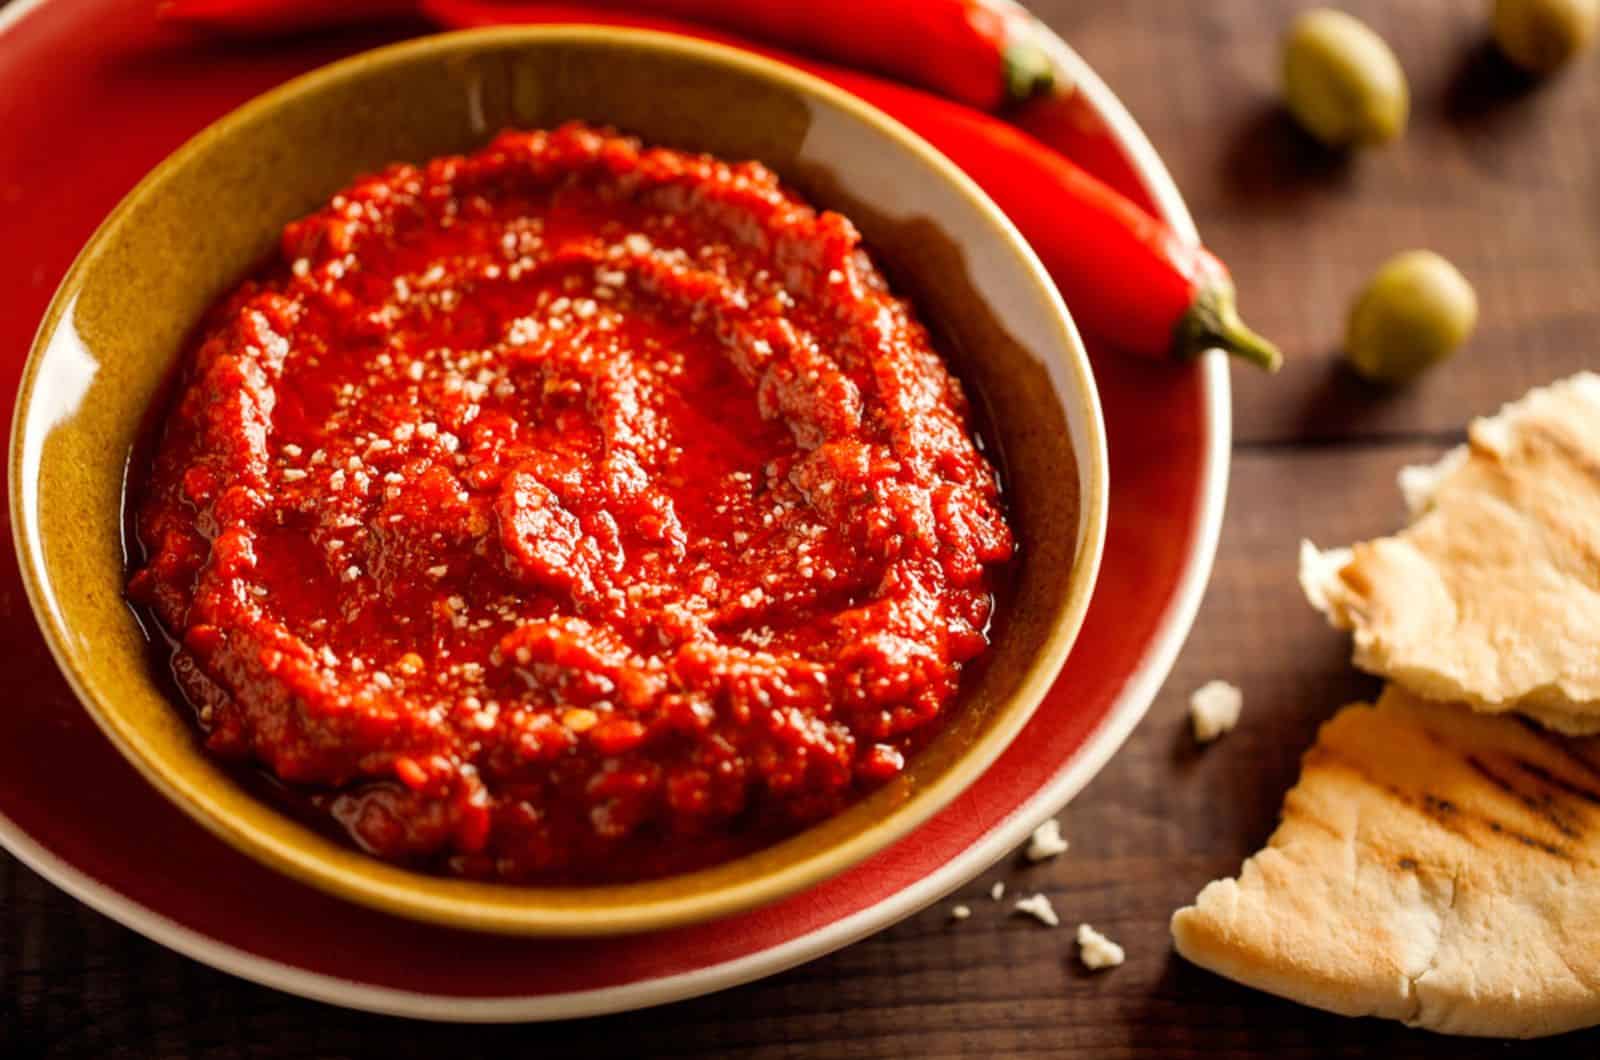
{"points": [[92, 95]]}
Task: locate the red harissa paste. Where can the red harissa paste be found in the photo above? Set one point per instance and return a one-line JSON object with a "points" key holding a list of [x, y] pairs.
{"points": [[570, 511]]}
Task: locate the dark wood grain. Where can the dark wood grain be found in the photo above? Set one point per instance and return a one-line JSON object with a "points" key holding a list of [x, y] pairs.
{"points": [[1502, 176]]}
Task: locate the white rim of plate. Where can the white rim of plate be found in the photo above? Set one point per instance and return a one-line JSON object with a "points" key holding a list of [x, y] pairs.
{"points": [[1005, 836]]}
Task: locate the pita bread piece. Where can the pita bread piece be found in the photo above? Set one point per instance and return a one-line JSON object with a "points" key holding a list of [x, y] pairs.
{"points": [[1492, 595], [1433, 866]]}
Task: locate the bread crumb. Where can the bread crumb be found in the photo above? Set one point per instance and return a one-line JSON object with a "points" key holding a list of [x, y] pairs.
{"points": [[1096, 951], [1046, 842], [998, 891], [1214, 709], [960, 912], [1039, 908]]}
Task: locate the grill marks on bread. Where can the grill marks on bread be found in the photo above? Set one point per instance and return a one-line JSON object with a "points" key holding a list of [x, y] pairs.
{"points": [[1433, 865]]}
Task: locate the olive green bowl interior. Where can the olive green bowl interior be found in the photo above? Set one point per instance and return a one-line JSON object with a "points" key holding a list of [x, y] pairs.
{"points": [[199, 223]]}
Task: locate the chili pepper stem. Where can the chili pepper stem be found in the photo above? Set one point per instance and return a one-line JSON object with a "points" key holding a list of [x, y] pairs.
{"points": [[1212, 322], [1028, 70]]}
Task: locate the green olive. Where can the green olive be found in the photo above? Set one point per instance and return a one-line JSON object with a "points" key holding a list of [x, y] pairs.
{"points": [[1412, 314], [1540, 35], [1341, 81]]}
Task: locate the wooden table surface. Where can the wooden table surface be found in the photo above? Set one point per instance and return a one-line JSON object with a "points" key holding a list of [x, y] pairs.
{"points": [[1499, 175]]}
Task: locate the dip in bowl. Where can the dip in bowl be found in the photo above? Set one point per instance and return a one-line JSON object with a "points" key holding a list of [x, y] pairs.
{"points": [[589, 519]]}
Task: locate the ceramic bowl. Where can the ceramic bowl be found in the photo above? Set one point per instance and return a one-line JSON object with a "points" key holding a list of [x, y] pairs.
{"points": [[203, 218]]}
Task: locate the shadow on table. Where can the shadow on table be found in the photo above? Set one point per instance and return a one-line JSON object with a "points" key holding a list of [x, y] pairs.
{"points": [[1271, 160], [1484, 85], [1341, 402], [1321, 400]]}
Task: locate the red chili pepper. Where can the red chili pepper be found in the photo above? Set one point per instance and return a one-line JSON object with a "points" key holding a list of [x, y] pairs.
{"points": [[1125, 275], [979, 52], [277, 16]]}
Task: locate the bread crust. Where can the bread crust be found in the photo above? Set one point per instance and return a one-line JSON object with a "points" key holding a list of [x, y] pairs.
{"points": [[1491, 597], [1432, 866]]}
